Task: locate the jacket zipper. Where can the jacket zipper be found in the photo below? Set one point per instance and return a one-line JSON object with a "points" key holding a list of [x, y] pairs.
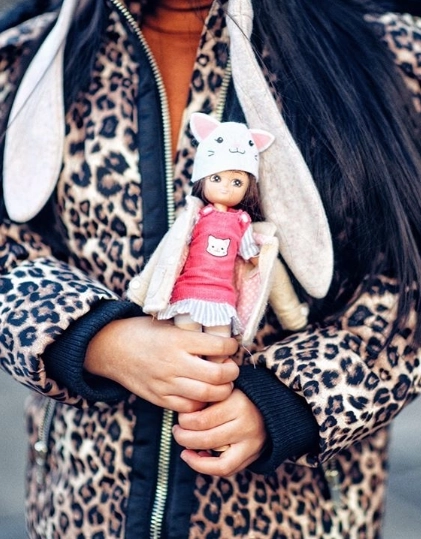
{"points": [[164, 456], [219, 111], [161, 494], [169, 171]]}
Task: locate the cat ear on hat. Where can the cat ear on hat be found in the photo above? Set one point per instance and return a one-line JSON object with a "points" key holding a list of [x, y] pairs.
{"points": [[262, 139], [202, 125]]}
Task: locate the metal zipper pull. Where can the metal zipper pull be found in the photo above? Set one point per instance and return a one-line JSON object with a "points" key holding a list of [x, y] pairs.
{"points": [[334, 483], [41, 451], [41, 445]]}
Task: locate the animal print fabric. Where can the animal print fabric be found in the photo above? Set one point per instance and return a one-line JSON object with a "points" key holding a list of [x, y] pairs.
{"points": [[353, 387]]}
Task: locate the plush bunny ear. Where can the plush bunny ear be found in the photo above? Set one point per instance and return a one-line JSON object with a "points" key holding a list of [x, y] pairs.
{"points": [[33, 152], [289, 196], [262, 139], [202, 125]]}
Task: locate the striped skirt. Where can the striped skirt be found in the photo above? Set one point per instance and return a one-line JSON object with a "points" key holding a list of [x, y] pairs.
{"points": [[206, 313]]}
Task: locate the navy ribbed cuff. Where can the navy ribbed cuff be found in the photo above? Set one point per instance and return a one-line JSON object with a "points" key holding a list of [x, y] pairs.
{"points": [[290, 424], [65, 357]]}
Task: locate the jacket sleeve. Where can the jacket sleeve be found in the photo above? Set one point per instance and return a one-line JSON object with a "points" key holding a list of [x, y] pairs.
{"points": [[22, 11], [350, 381], [50, 310], [345, 382], [401, 33]]}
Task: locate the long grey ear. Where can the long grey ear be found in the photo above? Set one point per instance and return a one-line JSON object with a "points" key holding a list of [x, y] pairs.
{"points": [[33, 152], [290, 198]]}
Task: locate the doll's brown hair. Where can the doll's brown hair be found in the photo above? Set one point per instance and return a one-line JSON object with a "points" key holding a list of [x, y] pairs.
{"points": [[250, 203]]}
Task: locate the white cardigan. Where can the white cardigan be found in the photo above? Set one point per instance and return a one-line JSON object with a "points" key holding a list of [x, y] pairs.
{"points": [[268, 281]]}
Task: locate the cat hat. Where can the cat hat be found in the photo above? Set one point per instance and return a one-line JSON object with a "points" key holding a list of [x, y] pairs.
{"points": [[34, 143], [226, 146]]}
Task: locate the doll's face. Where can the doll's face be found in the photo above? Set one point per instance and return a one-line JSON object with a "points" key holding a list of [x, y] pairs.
{"points": [[226, 189]]}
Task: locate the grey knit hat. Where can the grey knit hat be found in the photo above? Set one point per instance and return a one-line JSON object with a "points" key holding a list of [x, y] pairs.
{"points": [[226, 146]]}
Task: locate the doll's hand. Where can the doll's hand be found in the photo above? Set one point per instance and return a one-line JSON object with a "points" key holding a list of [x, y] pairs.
{"points": [[162, 363], [235, 422]]}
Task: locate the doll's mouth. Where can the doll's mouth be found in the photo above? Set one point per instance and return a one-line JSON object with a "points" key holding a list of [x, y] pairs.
{"points": [[237, 150]]}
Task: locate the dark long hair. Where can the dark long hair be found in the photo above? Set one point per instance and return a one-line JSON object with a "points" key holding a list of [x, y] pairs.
{"points": [[82, 45], [353, 119]]}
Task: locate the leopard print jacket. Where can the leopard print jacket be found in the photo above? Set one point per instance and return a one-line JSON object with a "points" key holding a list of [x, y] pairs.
{"points": [[85, 486]]}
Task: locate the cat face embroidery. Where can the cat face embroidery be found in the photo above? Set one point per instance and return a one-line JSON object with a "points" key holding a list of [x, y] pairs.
{"points": [[217, 247]]}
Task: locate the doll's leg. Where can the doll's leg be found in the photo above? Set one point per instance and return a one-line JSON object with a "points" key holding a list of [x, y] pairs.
{"points": [[220, 331], [184, 321]]}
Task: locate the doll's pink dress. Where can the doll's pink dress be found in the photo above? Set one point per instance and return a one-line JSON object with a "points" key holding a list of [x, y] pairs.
{"points": [[205, 288]]}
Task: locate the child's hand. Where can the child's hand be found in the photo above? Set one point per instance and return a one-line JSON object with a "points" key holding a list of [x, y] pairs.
{"points": [[162, 363], [235, 422]]}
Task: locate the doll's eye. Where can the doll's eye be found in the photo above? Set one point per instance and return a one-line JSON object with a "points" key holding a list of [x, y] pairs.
{"points": [[251, 143], [215, 178], [237, 182], [219, 140]]}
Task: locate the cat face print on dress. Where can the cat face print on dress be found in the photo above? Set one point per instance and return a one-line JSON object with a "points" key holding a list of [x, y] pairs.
{"points": [[218, 247], [226, 146]]}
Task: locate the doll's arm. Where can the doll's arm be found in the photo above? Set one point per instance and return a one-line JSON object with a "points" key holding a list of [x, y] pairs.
{"points": [[291, 313], [274, 287], [284, 301]]}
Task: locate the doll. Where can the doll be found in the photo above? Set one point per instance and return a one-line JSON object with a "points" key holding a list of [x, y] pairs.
{"points": [[224, 176], [213, 271]]}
